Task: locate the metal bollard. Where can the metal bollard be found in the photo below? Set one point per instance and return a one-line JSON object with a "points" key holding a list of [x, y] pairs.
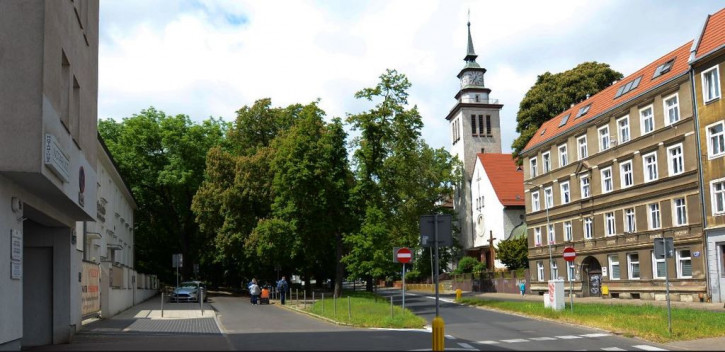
{"points": [[201, 302], [438, 334], [162, 304], [391, 306], [349, 313], [323, 303], [458, 294], [334, 305], [304, 298], [297, 296]]}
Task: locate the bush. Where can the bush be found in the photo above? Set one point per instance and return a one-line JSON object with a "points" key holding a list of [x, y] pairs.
{"points": [[413, 276], [467, 265]]}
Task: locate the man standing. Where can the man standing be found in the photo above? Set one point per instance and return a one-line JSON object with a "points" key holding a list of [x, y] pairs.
{"points": [[282, 289]]}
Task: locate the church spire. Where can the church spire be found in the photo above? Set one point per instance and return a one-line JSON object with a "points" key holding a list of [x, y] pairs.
{"points": [[471, 54]]}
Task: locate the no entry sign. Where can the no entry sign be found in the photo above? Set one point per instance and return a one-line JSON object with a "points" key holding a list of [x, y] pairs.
{"points": [[569, 254], [404, 255]]}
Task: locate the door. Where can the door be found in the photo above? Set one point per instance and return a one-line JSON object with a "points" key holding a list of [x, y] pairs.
{"points": [[721, 269], [595, 283], [37, 296]]}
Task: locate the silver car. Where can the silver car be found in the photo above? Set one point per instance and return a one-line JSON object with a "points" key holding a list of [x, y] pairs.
{"points": [[189, 291]]}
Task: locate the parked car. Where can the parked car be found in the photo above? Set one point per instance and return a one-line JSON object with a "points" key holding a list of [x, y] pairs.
{"points": [[189, 291]]}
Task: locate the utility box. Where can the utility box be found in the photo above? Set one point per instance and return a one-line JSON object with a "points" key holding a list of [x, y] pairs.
{"points": [[556, 294]]}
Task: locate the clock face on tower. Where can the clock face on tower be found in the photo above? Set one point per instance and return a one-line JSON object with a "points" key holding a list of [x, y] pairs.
{"points": [[477, 78]]}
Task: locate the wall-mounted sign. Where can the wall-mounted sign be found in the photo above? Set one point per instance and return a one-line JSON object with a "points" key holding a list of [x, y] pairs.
{"points": [[55, 159], [16, 245], [696, 253], [16, 270]]}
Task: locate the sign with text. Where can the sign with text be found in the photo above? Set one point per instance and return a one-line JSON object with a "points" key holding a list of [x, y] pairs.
{"points": [[90, 292]]}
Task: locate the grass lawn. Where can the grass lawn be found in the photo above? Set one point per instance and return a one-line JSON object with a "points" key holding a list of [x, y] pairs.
{"points": [[366, 309], [647, 321]]}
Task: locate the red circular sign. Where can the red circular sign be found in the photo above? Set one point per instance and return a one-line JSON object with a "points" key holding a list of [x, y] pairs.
{"points": [[569, 254], [404, 255]]}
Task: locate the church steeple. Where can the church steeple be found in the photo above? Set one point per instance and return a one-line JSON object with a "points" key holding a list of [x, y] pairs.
{"points": [[471, 54]]}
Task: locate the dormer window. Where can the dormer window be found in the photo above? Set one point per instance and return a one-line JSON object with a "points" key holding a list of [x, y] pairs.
{"points": [[564, 120], [628, 87], [664, 68], [583, 111]]}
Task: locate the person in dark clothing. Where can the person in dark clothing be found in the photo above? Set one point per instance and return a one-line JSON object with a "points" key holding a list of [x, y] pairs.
{"points": [[282, 287]]}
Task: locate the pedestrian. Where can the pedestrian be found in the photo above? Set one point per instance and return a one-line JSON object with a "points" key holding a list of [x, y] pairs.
{"points": [[254, 291], [282, 289], [522, 287]]}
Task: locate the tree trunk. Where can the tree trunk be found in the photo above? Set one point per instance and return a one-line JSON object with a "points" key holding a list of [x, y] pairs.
{"points": [[369, 283], [339, 268]]}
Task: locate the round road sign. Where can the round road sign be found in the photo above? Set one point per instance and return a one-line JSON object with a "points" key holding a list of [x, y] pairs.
{"points": [[569, 254], [404, 255]]}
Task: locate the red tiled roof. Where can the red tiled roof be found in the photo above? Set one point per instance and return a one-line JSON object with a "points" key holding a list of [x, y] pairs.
{"points": [[712, 36], [506, 181], [604, 100]]}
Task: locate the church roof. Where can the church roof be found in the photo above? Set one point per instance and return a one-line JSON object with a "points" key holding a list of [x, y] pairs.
{"points": [[652, 76], [506, 179], [711, 38]]}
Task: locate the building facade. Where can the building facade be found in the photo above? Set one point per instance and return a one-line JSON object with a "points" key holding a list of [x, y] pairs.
{"points": [[706, 58], [611, 174], [48, 101], [475, 128]]}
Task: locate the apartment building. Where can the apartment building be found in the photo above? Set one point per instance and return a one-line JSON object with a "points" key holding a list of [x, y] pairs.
{"points": [[611, 174], [706, 59]]}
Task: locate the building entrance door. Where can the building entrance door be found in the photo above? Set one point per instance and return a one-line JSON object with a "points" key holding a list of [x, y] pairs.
{"points": [[721, 269], [37, 296], [592, 270]]}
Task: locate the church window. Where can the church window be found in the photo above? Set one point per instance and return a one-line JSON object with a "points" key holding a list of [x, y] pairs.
{"points": [[480, 125], [473, 124], [488, 125], [478, 98]]}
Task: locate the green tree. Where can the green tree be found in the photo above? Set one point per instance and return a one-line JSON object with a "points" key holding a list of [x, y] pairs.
{"points": [[553, 94], [514, 252], [398, 176], [162, 159]]}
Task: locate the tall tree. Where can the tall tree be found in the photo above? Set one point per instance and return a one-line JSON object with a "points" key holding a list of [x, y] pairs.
{"points": [[514, 252], [552, 94], [162, 159], [398, 176]]}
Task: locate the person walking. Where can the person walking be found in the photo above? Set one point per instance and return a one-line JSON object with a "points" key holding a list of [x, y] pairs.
{"points": [[522, 287], [282, 287], [254, 291]]}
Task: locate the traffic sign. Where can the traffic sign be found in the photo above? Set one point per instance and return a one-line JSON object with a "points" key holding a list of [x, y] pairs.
{"points": [[569, 254], [404, 255]]}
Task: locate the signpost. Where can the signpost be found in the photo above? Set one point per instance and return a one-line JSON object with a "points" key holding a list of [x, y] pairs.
{"points": [[177, 261], [569, 255], [403, 255], [439, 228], [664, 248]]}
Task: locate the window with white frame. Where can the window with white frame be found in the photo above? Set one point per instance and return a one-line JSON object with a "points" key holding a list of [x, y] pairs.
{"points": [[551, 235], [565, 194], [633, 266], [548, 197], [679, 211], [609, 226], [563, 156], [554, 271], [684, 264], [717, 195], [623, 129], [603, 138], [607, 181], [716, 140], [546, 162], [540, 270], [584, 184], [567, 231], [654, 216], [537, 236], [571, 275], [614, 273], [675, 160], [710, 84], [626, 174], [532, 166], [630, 224], [647, 120], [672, 109], [582, 147], [649, 162], [658, 267], [588, 229], [535, 201]]}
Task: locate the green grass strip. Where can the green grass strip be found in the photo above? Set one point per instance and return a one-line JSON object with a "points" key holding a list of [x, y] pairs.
{"points": [[645, 321], [366, 309]]}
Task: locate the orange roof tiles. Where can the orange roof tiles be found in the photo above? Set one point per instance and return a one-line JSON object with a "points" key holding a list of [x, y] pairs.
{"points": [[712, 36], [506, 181], [604, 100]]}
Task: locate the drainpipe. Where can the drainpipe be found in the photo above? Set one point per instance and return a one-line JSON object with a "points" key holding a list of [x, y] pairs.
{"points": [[701, 177]]}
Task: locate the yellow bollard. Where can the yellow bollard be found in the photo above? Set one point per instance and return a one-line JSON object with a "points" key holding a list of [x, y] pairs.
{"points": [[458, 294], [438, 334]]}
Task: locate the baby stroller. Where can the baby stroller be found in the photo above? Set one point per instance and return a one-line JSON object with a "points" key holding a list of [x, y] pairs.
{"points": [[264, 297]]}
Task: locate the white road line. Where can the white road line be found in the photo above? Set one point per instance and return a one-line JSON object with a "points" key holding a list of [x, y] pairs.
{"points": [[648, 348], [515, 340], [599, 334], [613, 349], [487, 342], [568, 337], [467, 346], [450, 337], [542, 338]]}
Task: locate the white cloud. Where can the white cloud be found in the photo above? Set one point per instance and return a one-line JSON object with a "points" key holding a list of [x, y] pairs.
{"points": [[210, 57]]}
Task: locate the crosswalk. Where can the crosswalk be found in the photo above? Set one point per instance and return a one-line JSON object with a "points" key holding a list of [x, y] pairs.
{"points": [[467, 346]]}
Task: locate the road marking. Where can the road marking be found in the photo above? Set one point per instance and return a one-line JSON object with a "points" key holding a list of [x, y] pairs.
{"points": [[613, 349], [648, 348], [568, 337], [542, 338], [515, 340], [487, 342], [467, 346], [450, 337], [599, 334]]}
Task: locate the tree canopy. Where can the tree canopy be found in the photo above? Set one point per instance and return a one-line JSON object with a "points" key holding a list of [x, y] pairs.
{"points": [[552, 94], [513, 252]]}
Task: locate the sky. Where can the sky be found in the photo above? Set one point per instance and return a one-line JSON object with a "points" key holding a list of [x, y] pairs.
{"points": [[209, 58]]}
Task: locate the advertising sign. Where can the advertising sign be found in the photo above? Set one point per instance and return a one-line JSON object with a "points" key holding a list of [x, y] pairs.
{"points": [[90, 289]]}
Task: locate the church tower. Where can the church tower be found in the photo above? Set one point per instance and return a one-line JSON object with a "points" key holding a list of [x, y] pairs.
{"points": [[475, 128]]}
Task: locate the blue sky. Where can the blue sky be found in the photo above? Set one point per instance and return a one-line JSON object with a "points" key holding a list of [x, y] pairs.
{"points": [[208, 58]]}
